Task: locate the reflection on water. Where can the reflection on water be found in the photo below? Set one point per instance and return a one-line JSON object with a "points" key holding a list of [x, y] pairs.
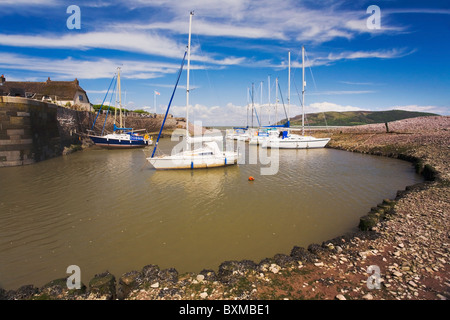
{"points": [[109, 210]]}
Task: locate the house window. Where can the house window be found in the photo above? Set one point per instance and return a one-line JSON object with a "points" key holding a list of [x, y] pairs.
{"points": [[80, 97]]}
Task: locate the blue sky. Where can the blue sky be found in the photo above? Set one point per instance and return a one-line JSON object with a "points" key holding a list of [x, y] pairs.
{"points": [[237, 43]]}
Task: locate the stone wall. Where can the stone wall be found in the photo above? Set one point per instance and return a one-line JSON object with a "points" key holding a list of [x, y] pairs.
{"points": [[28, 131], [32, 131]]}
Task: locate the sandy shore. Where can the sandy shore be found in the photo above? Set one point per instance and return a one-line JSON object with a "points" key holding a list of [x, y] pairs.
{"points": [[405, 244]]}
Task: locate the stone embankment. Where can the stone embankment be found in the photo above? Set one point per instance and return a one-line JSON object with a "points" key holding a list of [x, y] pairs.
{"points": [[401, 252]]}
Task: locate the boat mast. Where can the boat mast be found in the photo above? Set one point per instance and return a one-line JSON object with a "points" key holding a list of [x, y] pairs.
{"points": [[289, 87], [253, 101], [303, 90], [248, 102], [120, 97], [261, 112], [187, 84], [276, 100], [115, 102], [268, 98]]}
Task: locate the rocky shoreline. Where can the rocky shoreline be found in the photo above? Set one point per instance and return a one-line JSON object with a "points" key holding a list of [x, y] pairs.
{"points": [[401, 251]]}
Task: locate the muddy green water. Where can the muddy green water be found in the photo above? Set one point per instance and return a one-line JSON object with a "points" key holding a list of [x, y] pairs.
{"points": [[109, 210]]}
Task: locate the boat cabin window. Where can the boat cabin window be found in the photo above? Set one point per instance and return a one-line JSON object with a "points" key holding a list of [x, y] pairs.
{"points": [[206, 154]]}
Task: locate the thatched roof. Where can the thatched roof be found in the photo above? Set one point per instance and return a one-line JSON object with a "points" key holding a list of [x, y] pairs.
{"points": [[63, 90]]}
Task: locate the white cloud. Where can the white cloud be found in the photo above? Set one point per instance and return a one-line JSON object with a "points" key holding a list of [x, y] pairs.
{"points": [[325, 60], [208, 28], [417, 10], [340, 92], [228, 115], [128, 41], [262, 19], [29, 2], [96, 91], [86, 69], [358, 83], [381, 54]]}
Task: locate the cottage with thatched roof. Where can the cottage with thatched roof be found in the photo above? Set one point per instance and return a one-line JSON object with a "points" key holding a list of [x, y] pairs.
{"points": [[63, 93]]}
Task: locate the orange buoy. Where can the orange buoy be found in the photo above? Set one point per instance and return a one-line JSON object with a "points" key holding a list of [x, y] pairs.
{"points": [[251, 178]]}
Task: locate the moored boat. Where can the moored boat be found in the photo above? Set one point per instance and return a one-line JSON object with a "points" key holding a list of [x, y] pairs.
{"points": [[207, 155], [123, 138], [287, 140]]}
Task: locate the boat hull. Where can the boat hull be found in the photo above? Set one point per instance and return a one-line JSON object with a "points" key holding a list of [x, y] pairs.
{"points": [[119, 143], [194, 162], [296, 144], [255, 141]]}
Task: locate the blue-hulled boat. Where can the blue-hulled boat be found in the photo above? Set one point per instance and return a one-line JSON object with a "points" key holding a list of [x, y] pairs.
{"points": [[124, 139], [121, 137]]}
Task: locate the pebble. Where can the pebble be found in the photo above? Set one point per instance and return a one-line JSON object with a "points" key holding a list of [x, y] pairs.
{"points": [[397, 274], [368, 297], [318, 264], [274, 268], [200, 277], [340, 297]]}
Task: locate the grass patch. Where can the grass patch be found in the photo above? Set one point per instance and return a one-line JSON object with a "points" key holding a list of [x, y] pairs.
{"points": [[242, 286]]}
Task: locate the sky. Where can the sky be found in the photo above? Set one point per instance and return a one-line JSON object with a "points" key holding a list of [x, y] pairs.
{"points": [[395, 56]]}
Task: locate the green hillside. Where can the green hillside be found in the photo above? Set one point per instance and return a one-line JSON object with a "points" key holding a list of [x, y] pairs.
{"points": [[354, 118]]}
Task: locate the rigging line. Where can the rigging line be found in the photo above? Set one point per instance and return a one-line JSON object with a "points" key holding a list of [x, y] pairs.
{"points": [[170, 102], [210, 83], [103, 101], [314, 81], [256, 113], [298, 94], [109, 106], [273, 86], [282, 100], [293, 69], [310, 70], [301, 102]]}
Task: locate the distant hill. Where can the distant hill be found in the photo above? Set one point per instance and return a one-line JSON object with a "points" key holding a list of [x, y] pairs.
{"points": [[354, 118]]}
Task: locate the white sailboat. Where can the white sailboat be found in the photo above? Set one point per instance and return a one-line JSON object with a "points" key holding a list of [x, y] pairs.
{"points": [[207, 156], [240, 133], [262, 134], [287, 140]]}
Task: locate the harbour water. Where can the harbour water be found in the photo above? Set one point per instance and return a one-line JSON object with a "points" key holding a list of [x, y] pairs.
{"points": [[109, 210]]}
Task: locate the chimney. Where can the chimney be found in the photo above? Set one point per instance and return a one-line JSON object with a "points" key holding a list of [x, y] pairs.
{"points": [[48, 80]]}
